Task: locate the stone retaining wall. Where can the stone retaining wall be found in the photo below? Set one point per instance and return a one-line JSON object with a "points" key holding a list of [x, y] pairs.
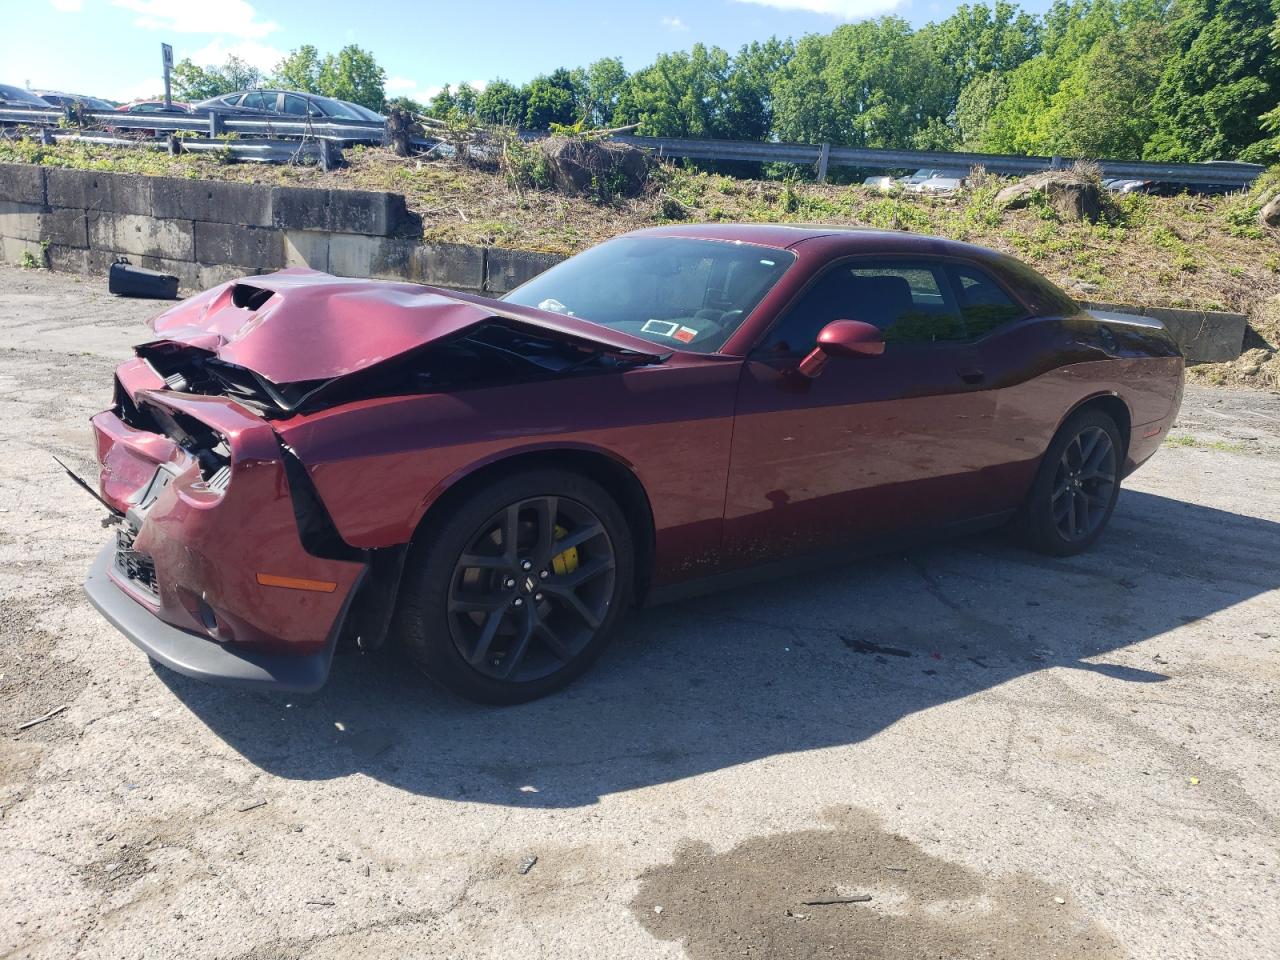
{"points": [[208, 231]]}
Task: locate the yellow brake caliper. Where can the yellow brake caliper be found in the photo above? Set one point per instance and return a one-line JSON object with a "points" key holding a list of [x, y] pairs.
{"points": [[565, 562]]}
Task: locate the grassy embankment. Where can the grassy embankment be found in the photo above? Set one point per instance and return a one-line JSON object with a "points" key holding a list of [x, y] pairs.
{"points": [[1196, 252]]}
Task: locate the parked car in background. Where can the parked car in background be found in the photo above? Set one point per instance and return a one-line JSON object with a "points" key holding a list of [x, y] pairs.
{"points": [[59, 99], [938, 185], [934, 180], [1127, 185], [289, 103], [18, 97], [155, 106], [886, 184], [148, 107], [298, 460]]}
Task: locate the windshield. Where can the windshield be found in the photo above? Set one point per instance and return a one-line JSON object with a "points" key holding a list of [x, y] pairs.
{"points": [[336, 109], [687, 294]]}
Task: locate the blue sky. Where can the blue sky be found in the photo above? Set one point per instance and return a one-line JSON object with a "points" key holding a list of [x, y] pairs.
{"points": [[111, 48]]}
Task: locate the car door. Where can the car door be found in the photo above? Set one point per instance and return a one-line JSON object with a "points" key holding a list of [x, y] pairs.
{"points": [[873, 446], [1028, 345]]}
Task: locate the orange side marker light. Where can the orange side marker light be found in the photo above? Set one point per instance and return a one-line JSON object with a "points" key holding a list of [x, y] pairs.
{"points": [[296, 583]]}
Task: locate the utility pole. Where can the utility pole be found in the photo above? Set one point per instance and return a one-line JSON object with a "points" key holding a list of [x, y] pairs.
{"points": [[166, 55]]}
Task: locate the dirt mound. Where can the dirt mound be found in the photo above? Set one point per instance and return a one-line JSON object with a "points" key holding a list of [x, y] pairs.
{"points": [[1074, 196], [595, 167]]}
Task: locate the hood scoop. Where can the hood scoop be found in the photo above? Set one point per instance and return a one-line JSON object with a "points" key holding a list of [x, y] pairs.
{"points": [[248, 297]]}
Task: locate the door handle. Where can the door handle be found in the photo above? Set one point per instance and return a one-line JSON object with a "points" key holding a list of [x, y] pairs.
{"points": [[971, 375]]}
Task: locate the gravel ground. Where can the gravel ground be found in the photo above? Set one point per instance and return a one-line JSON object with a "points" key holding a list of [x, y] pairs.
{"points": [[1012, 756]]}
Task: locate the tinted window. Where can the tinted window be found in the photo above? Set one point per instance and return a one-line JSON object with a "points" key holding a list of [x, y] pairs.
{"points": [[295, 105], [908, 299], [334, 108], [232, 100], [983, 304], [258, 101], [683, 293], [1041, 295]]}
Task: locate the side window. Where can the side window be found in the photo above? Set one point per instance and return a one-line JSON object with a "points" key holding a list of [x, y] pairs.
{"points": [[910, 300], [983, 304], [295, 106], [255, 101]]}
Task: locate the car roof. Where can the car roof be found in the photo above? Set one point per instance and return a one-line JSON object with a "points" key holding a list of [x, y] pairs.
{"points": [[844, 240]]}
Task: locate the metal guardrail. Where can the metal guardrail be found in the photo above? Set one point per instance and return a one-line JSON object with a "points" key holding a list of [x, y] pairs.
{"points": [[214, 123], [822, 156]]}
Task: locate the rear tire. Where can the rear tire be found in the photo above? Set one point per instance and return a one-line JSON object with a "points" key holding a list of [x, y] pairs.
{"points": [[515, 591], [1076, 487]]}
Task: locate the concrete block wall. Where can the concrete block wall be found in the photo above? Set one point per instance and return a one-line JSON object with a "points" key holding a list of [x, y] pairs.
{"points": [[205, 232]]}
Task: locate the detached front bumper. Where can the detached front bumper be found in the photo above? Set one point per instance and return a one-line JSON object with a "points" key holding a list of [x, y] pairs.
{"points": [[198, 656]]}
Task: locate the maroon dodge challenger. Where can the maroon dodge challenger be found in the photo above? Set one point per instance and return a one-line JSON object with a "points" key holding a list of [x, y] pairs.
{"points": [[298, 461]]}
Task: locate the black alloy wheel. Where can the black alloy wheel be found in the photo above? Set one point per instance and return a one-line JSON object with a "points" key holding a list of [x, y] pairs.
{"points": [[514, 588], [1084, 483], [1076, 486], [531, 589]]}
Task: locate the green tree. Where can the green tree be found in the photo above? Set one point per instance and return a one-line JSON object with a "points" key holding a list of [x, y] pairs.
{"points": [[979, 39], [193, 83], [443, 104], [502, 103], [606, 83], [1267, 150], [681, 94], [1223, 77], [552, 99], [974, 108], [873, 84], [353, 74], [1102, 107], [1023, 122], [300, 70], [406, 103], [464, 99], [747, 112]]}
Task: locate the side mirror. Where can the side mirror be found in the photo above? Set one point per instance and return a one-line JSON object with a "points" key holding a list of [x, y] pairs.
{"points": [[842, 338]]}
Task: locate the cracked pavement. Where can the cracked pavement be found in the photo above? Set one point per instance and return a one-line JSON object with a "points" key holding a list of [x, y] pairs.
{"points": [[1082, 749]]}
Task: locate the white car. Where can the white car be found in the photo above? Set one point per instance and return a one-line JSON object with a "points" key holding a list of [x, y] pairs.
{"points": [[886, 184]]}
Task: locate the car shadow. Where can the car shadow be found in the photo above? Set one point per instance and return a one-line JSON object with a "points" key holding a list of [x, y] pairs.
{"points": [[797, 664]]}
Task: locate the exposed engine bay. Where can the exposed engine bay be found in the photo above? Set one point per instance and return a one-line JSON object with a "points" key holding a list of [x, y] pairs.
{"points": [[494, 352]]}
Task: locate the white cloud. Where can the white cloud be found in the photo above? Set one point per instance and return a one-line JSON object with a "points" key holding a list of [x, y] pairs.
{"points": [[400, 84], [674, 24], [236, 18], [67, 6], [261, 55], [842, 9]]}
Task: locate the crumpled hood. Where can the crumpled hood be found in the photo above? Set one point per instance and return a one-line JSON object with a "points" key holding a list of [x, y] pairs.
{"points": [[300, 325]]}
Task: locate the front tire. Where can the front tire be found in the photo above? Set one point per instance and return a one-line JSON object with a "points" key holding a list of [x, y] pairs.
{"points": [[1076, 487], [515, 591]]}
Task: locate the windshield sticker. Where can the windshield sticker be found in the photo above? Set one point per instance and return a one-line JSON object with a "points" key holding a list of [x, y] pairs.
{"points": [[663, 327], [685, 334]]}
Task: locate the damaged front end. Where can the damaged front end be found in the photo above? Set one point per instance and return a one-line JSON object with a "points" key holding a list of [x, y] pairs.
{"points": [[210, 571], [226, 564]]}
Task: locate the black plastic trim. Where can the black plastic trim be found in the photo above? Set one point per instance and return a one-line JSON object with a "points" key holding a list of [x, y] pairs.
{"points": [[200, 657]]}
